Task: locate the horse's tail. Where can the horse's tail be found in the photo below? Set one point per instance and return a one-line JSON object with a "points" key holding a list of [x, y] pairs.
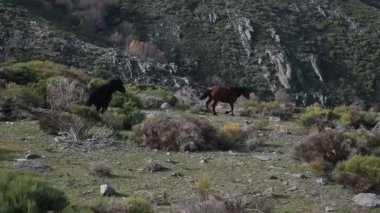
{"points": [[205, 94]]}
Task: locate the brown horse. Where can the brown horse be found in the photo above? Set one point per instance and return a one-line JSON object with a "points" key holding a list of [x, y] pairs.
{"points": [[224, 94]]}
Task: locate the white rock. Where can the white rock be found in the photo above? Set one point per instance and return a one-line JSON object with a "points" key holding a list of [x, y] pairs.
{"points": [[107, 190], [368, 200], [293, 188], [166, 106], [321, 181]]}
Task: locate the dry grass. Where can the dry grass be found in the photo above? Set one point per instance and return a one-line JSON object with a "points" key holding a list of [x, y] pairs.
{"points": [[75, 131], [184, 133], [231, 204], [330, 146], [100, 170], [62, 93]]}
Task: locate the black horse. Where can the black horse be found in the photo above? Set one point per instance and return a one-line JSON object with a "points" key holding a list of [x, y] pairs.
{"points": [[101, 96]]}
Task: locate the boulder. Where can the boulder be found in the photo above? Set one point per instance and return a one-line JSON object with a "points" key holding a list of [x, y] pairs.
{"points": [[368, 200]]}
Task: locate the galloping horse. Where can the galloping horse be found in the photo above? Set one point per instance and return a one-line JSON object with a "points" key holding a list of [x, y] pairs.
{"points": [[224, 94], [101, 96]]}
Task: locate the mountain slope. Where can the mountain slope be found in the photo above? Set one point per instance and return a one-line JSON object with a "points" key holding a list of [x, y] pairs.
{"points": [[327, 51]]}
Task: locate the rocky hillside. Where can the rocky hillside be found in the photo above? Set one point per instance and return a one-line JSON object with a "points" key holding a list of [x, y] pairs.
{"points": [[321, 50]]}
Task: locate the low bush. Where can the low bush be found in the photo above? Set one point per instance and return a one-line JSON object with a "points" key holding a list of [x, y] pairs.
{"points": [[152, 96], [139, 205], [35, 71], [330, 146], [232, 131], [130, 205], [75, 131], [203, 186], [235, 204], [119, 100], [183, 133], [312, 115], [281, 96], [20, 193], [361, 172], [33, 95], [253, 142], [85, 112], [62, 93], [100, 170], [319, 167], [123, 118]]}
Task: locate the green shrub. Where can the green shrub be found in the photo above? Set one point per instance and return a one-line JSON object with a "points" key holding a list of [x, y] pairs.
{"points": [[369, 119], [139, 205], [31, 94], [346, 118], [119, 100], [34, 71], [311, 116], [123, 118], [259, 107], [153, 90], [20, 193], [361, 172]]}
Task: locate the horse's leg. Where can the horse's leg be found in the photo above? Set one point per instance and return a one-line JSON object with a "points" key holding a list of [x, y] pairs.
{"points": [[213, 106], [232, 109], [208, 103]]}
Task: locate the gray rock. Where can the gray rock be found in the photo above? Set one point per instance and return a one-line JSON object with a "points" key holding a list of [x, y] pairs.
{"points": [[293, 188], [302, 176], [166, 106], [30, 164], [107, 190], [262, 157], [368, 200], [268, 192], [329, 209]]}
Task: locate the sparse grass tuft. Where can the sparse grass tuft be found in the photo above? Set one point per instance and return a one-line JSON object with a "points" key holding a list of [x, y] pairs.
{"points": [[203, 186], [139, 205], [120, 205], [100, 170], [318, 167]]}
